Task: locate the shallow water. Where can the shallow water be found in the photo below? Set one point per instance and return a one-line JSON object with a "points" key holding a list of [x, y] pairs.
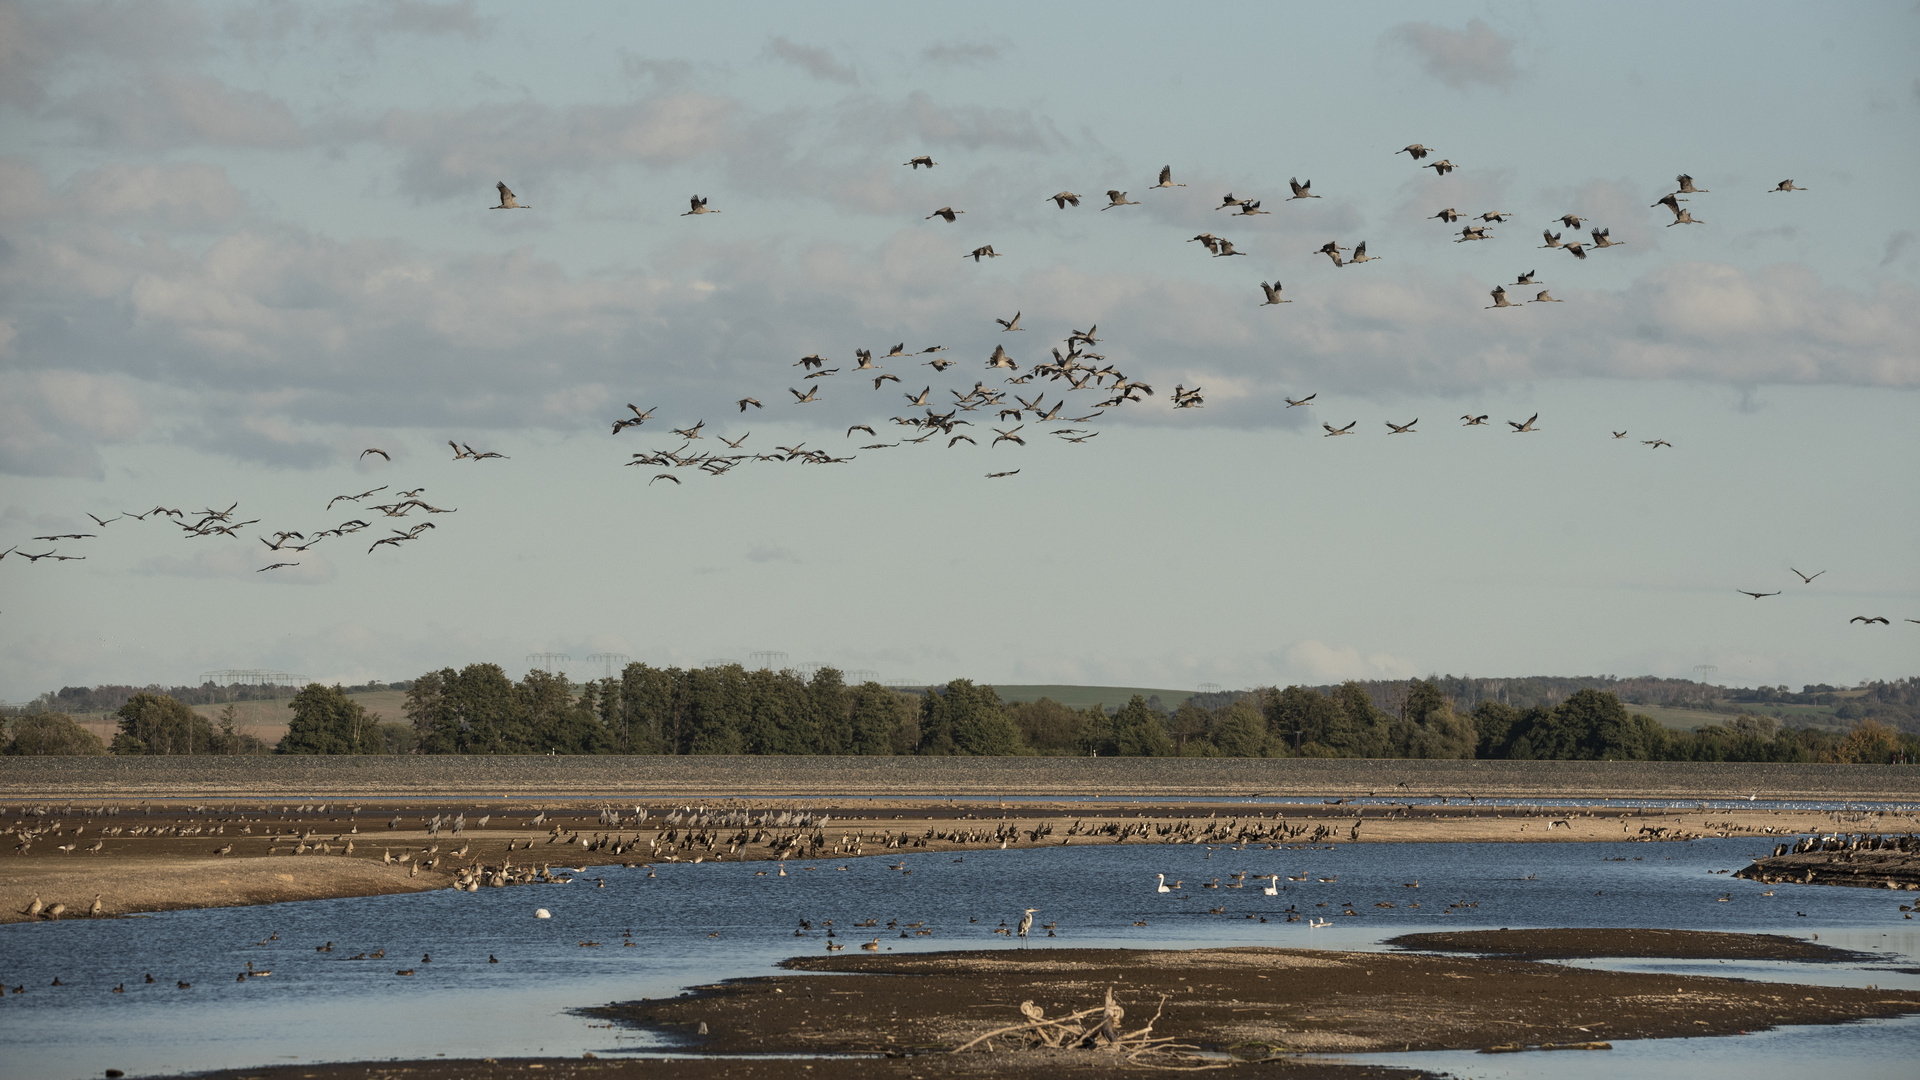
{"points": [[324, 1006]]}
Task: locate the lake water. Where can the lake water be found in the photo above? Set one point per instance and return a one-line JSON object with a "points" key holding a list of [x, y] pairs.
{"points": [[326, 1006]]}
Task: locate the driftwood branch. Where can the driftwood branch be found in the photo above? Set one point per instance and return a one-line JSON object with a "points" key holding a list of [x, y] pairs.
{"points": [[1138, 1047]]}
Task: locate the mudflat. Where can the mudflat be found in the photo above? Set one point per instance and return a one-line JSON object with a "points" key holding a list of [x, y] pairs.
{"points": [[155, 855], [1253, 1002]]}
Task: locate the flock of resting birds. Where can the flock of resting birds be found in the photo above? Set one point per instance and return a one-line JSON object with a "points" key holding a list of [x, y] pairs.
{"points": [[927, 417]]}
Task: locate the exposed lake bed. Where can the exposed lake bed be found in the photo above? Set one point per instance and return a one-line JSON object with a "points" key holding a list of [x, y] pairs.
{"points": [[484, 978]]}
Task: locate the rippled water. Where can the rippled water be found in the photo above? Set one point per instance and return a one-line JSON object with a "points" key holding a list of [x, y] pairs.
{"points": [[324, 1006]]}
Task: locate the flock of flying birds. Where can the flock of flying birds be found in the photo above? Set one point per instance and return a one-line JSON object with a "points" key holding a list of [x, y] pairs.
{"points": [[930, 417], [1807, 579]]}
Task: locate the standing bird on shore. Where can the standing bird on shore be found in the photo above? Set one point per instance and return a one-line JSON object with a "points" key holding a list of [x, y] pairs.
{"points": [[1026, 924]]}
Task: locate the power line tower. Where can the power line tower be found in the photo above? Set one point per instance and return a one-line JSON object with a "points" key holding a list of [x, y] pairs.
{"points": [[612, 661], [904, 684], [1703, 672], [1209, 688], [768, 660], [861, 675], [547, 661], [720, 661], [806, 668]]}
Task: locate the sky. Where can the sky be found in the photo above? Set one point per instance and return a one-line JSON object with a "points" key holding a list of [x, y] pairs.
{"points": [[241, 243]]}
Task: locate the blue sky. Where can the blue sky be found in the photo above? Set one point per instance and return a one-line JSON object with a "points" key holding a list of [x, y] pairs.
{"points": [[244, 242]]}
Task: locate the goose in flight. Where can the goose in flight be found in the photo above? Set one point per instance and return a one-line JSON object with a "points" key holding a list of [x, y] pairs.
{"points": [[507, 201], [1474, 421], [275, 566], [1527, 279], [1416, 150], [1000, 359], [811, 361], [878, 379], [982, 253], [1116, 197], [939, 363], [1686, 186], [1806, 579], [1273, 294], [921, 400], [863, 360], [1576, 249], [1441, 167], [1449, 215], [1208, 241], [1603, 238], [663, 476], [1291, 402], [1519, 428], [1545, 297], [1360, 254], [1403, 429], [1064, 199], [1496, 217], [1228, 200], [1684, 218], [1552, 238], [1656, 443], [382, 487], [1499, 295], [923, 159], [1332, 431], [1226, 249], [958, 438], [734, 444], [31, 557], [861, 427], [1572, 221], [690, 432], [102, 522], [1871, 619], [1785, 185], [1300, 190], [945, 213], [1619, 434], [1166, 178], [1332, 249], [1670, 201], [1252, 207], [802, 399], [699, 204], [1010, 324], [824, 373], [746, 401], [1756, 595], [1008, 436], [1473, 232], [376, 450]]}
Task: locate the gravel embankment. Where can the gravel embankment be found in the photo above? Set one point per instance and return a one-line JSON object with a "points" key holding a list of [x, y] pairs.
{"points": [[86, 778]]}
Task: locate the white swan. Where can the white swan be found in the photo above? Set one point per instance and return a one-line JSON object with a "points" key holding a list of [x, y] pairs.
{"points": [[1273, 887], [1163, 884]]}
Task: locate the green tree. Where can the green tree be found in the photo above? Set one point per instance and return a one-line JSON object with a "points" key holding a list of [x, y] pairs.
{"points": [[1429, 728], [1238, 730], [1048, 727], [327, 721], [881, 721], [1298, 719], [1188, 727], [1138, 731], [158, 724], [966, 719], [47, 734]]}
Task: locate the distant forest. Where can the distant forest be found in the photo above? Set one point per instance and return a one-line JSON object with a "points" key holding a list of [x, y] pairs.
{"points": [[729, 709]]}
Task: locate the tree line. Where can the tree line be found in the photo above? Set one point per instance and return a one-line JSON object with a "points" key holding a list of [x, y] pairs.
{"points": [[729, 709]]}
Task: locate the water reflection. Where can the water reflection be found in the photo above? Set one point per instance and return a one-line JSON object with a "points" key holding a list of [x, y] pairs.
{"points": [[699, 924]]}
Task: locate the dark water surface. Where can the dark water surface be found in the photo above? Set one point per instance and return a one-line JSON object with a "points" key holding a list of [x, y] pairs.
{"points": [[325, 1006]]}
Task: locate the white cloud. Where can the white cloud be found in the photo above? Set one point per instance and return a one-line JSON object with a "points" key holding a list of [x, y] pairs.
{"points": [[51, 422], [1314, 662], [180, 195], [816, 62], [161, 110], [1459, 58]]}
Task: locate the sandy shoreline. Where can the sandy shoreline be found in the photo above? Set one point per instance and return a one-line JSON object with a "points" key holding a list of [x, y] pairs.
{"points": [[164, 857]]}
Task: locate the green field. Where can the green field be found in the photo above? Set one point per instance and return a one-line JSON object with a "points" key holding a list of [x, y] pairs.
{"points": [[1689, 719], [265, 720], [1080, 697]]}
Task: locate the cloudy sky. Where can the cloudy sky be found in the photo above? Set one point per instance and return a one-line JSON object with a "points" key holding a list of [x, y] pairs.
{"points": [[241, 243]]}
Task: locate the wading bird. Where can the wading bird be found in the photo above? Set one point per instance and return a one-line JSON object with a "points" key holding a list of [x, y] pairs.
{"points": [[699, 204], [376, 450], [1416, 150], [1273, 294], [1116, 197], [945, 213], [1441, 167], [1449, 215], [1332, 431], [746, 401], [1870, 619], [1686, 186], [1499, 295], [1010, 324], [923, 159], [1026, 924], [1519, 428], [1300, 190], [1785, 185], [1166, 181], [986, 252], [1603, 238], [1656, 443], [1291, 402], [507, 201], [1403, 429], [1806, 579], [1756, 595], [1064, 199], [1474, 421], [1545, 297]]}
